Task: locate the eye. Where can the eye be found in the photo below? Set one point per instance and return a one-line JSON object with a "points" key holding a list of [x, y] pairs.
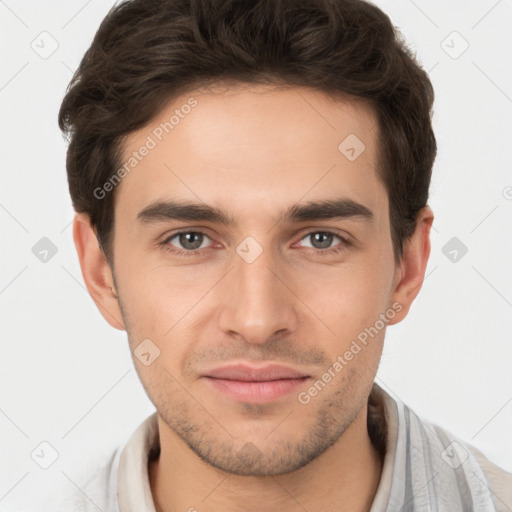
{"points": [[322, 241], [188, 241]]}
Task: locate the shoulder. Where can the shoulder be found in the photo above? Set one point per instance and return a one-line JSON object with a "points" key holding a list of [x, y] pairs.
{"points": [[498, 480], [461, 469], [427, 467], [93, 489]]}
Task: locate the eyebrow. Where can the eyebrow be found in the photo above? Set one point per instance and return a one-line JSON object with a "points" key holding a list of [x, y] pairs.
{"points": [[312, 211]]}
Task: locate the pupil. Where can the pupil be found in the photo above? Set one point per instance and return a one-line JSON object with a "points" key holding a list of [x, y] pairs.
{"points": [[185, 240], [322, 244]]}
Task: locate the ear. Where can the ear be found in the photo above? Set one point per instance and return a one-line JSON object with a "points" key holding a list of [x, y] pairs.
{"points": [[410, 274], [96, 271]]}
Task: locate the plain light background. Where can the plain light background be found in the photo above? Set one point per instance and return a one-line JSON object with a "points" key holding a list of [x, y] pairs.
{"points": [[66, 376]]}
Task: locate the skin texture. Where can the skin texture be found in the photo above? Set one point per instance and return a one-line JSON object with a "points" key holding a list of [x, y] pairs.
{"points": [[254, 152]]}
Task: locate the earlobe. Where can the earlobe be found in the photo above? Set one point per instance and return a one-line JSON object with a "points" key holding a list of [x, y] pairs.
{"points": [[96, 271], [410, 275]]}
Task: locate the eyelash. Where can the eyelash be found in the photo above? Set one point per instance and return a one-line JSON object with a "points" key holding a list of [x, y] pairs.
{"points": [[323, 252]]}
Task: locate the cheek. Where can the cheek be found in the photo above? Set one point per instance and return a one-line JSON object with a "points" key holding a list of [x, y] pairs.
{"points": [[158, 293], [164, 304], [348, 298]]}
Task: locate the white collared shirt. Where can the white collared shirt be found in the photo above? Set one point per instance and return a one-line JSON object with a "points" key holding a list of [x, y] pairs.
{"points": [[426, 469]]}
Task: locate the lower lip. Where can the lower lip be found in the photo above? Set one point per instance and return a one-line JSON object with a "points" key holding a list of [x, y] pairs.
{"points": [[256, 392]]}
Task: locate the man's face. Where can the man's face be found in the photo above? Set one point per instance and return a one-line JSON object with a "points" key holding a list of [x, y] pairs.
{"points": [[295, 292]]}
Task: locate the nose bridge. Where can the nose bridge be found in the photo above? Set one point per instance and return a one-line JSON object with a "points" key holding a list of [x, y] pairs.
{"points": [[254, 302]]}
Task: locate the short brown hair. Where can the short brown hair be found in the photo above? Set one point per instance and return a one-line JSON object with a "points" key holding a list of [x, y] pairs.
{"points": [[147, 52]]}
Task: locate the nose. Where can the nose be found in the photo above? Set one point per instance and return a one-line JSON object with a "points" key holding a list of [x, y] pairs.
{"points": [[255, 300]]}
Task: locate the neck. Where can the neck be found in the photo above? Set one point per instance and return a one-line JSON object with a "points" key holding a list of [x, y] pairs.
{"points": [[344, 478]]}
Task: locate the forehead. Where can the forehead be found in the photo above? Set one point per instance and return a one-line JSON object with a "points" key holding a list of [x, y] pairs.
{"points": [[254, 147]]}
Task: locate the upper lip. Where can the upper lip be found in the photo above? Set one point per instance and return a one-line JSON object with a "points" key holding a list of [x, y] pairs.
{"points": [[251, 373]]}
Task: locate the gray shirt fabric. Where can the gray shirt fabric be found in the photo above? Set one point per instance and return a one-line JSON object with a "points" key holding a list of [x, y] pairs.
{"points": [[426, 469]]}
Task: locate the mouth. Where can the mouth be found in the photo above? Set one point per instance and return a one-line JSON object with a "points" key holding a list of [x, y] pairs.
{"points": [[246, 383]]}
